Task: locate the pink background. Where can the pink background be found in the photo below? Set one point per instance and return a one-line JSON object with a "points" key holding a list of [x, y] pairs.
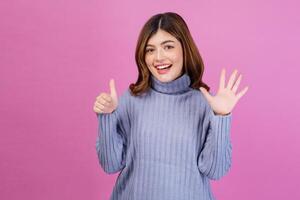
{"points": [[57, 56]]}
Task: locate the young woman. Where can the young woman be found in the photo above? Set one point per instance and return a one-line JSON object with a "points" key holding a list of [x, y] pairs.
{"points": [[167, 135]]}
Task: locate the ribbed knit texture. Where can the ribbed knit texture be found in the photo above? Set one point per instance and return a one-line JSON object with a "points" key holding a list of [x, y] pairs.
{"points": [[167, 144]]}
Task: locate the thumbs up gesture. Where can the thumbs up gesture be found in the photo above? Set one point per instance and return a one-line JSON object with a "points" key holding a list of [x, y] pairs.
{"points": [[227, 97], [107, 103]]}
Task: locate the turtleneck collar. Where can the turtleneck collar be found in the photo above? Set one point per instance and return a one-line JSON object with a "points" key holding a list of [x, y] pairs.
{"points": [[179, 85]]}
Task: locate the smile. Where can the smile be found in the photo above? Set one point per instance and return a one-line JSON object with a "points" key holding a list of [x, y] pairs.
{"points": [[163, 69], [163, 66]]}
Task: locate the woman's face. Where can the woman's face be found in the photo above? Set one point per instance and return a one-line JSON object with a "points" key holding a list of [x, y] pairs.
{"points": [[164, 56]]}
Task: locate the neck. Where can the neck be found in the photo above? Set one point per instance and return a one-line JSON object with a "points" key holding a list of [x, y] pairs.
{"points": [[177, 86]]}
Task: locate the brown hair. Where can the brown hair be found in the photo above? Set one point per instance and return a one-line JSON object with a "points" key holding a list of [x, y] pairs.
{"points": [[176, 26]]}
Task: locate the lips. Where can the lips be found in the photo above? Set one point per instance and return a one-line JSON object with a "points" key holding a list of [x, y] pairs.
{"points": [[163, 66], [163, 69]]}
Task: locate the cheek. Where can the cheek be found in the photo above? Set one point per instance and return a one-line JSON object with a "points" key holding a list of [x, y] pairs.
{"points": [[177, 56], [148, 60], [175, 53]]}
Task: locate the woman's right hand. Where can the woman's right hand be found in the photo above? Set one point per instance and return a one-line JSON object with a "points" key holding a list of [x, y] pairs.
{"points": [[107, 103]]}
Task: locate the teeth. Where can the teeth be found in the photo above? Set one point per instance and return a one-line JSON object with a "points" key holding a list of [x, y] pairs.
{"points": [[162, 66]]}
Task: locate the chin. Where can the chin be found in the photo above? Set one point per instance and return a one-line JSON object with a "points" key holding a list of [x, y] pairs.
{"points": [[165, 78]]}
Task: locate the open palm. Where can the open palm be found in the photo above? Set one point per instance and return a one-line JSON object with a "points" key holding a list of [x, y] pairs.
{"points": [[226, 98]]}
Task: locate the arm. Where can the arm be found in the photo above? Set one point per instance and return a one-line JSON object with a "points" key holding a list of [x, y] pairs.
{"points": [[216, 153], [214, 159], [111, 140]]}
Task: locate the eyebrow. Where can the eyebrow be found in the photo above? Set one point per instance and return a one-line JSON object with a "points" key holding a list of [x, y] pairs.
{"points": [[166, 41]]}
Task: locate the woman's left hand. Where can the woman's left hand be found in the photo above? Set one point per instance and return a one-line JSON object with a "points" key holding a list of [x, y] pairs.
{"points": [[226, 98]]}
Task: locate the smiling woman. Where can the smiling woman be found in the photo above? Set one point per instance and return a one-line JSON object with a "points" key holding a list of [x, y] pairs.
{"points": [[164, 56], [166, 40], [165, 136]]}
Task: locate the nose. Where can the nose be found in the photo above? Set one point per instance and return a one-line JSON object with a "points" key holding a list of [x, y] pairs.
{"points": [[159, 54]]}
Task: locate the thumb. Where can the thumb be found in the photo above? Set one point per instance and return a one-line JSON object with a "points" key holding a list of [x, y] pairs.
{"points": [[206, 94], [113, 91]]}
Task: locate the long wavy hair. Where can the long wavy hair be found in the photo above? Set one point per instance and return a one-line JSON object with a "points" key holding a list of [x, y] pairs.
{"points": [[175, 25]]}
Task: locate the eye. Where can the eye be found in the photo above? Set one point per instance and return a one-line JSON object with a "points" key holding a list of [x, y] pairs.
{"points": [[169, 47], [149, 50]]}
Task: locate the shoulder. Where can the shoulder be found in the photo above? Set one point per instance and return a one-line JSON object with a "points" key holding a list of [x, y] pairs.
{"points": [[200, 98], [127, 97], [202, 106]]}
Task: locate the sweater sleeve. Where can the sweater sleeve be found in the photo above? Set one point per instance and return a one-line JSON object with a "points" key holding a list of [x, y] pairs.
{"points": [[215, 156], [111, 139]]}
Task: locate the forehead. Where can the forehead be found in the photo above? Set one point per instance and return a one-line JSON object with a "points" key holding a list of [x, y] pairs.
{"points": [[159, 37]]}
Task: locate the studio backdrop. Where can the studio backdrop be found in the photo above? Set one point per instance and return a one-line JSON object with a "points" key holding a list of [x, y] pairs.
{"points": [[57, 56]]}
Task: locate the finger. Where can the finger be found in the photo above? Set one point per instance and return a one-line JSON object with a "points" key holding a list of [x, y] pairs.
{"points": [[113, 91], [222, 79], [97, 110], [105, 96], [231, 79], [236, 84], [206, 94], [99, 105], [103, 102], [241, 93], [104, 109]]}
